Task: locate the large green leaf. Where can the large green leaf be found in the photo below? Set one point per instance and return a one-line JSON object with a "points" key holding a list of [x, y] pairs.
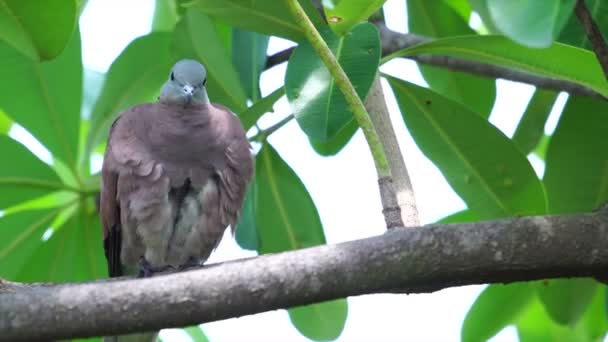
{"points": [[532, 23], [21, 236], [343, 15], [576, 173], [196, 37], [462, 7], [557, 61], [495, 308], [286, 219], [465, 215], [267, 17], [23, 176], [261, 107], [45, 97], [5, 123], [565, 300], [249, 59], [165, 15], [534, 325], [334, 145], [574, 33], [246, 232], [133, 78], [481, 164], [595, 320], [316, 101], [74, 252], [436, 19], [38, 29], [532, 124]]}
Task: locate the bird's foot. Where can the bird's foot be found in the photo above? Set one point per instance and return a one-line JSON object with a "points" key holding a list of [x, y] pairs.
{"points": [[192, 262], [145, 268]]}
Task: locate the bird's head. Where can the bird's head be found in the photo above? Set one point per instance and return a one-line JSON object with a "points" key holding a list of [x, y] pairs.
{"points": [[186, 84]]}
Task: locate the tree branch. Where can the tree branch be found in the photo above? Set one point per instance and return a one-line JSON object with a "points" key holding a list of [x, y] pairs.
{"points": [[401, 260], [594, 34], [393, 41]]}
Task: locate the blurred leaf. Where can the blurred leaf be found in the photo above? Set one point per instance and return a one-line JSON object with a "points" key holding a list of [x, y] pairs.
{"points": [[481, 164], [165, 15], [574, 34], [195, 37], [266, 17], [343, 15], [565, 300], [5, 123], [249, 59], [246, 231], [21, 236], [322, 321], [576, 172], [316, 101], [45, 97], [481, 8], [541, 149], [465, 215], [261, 107], [73, 253], [462, 7], [197, 334], [287, 219], [25, 177], [559, 61], [51, 200], [531, 23], [495, 308], [531, 127], [436, 19], [133, 78], [534, 325], [334, 145], [595, 321], [35, 33]]}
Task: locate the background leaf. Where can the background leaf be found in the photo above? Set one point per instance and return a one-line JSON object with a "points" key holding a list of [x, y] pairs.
{"points": [[531, 127], [249, 59], [343, 15], [316, 101], [436, 19], [334, 145], [565, 300], [574, 34], [482, 165], [321, 321]]}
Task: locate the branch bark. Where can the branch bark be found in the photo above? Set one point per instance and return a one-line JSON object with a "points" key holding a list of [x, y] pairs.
{"points": [[402, 260], [594, 34], [393, 41]]}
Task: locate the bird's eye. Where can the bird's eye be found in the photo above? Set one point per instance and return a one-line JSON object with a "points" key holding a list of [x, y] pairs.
{"points": [[172, 77]]}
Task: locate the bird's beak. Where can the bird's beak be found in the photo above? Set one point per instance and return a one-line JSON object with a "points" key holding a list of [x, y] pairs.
{"points": [[188, 92]]}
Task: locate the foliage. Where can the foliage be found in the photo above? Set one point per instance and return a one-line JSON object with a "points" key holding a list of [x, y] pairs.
{"points": [[49, 214]]}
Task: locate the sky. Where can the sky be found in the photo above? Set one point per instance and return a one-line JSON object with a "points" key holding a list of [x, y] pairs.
{"points": [[343, 188]]}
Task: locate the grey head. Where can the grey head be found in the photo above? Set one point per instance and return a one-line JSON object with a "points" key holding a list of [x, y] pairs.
{"points": [[186, 84]]}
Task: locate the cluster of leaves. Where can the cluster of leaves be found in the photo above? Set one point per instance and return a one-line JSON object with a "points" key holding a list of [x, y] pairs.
{"points": [[50, 219]]}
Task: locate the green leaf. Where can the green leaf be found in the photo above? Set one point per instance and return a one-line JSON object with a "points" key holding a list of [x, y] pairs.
{"points": [[36, 33], [74, 252], [51, 200], [133, 78], [495, 308], [531, 23], [45, 97], [462, 7], [286, 219], [565, 300], [334, 145], [531, 127], [249, 59], [574, 33], [21, 236], [481, 164], [196, 37], [197, 334], [436, 19], [322, 321], [558, 61], [261, 107], [534, 325], [541, 149], [595, 321], [576, 173], [165, 15], [266, 17], [23, 177], [5, 123], [246, 231], [465, 215], [343, 15], [481, 8], [316, 101]]}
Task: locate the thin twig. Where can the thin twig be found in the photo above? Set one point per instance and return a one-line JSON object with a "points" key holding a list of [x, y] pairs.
{"points": [[594, 34], [264, 133]]}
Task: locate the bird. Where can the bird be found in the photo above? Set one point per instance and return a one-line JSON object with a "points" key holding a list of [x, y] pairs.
{"points": [[174, 177]]}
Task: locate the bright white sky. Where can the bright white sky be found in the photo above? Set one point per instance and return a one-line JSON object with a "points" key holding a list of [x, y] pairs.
{"points": [[343, 188]]}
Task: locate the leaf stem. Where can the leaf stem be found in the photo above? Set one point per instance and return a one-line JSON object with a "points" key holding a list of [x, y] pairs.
{"points": [[264, 133]]}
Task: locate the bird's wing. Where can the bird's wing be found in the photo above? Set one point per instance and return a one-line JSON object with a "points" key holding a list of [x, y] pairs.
{"points": [[237, 172]]}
